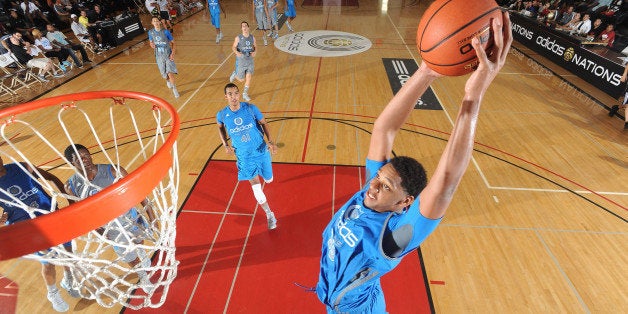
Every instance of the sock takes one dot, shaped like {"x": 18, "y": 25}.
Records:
{"x": 68, "y": 275}
{"x": 266, "y": 209}
{"x": 52, "y": 288}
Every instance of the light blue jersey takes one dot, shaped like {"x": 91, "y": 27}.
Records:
{"x": 353, "y": 258}
{"x": 214, "y": 6}
{"x": 214, "y": 12}
{"x": 242, "y": 128}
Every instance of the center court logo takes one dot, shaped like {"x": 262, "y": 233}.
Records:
{"x": 323, "y": 43}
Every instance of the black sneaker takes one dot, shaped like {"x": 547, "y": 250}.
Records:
{"x": 613, "y": 110}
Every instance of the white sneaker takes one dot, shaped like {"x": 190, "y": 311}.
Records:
{"x": 175, "y": 92}
{"x": 265, "y": 41}
{"x": 246, "y": 97}
{"x": 168, "y": 84}
{"x": 66, "y": 284}
{"x": 217, "y": 38}
{"x": 272, "y": 221}
{"x": 220, "y": 34}
{"x": 57, "y": 302}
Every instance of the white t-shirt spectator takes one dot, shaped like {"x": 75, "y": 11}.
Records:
{"x": 31, "y": 7}
{"x": 163, "y": 5}
{"x": 149, "y": 5}
{"x": 583, "y": 27}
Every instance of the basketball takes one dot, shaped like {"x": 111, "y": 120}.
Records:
{"x": 446, "y": 29}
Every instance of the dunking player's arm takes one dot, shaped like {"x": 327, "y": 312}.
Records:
{"x": 438, "y": 193}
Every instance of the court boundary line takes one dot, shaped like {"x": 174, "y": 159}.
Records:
{"x": 211, "y": 247}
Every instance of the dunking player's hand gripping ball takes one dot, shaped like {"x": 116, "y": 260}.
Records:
{"x": 445, "y": 32}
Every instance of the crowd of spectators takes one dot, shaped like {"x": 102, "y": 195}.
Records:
{"x": 34, "y": 31}
{"x": 602, "y": 22}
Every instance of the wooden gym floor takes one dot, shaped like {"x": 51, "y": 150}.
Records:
{"x": 538, "y": 222}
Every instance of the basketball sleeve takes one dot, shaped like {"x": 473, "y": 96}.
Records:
{"x": 219, "y": 118}
{"x": 168, "y": 35}
{"x": 372, "y": 166}
{"x": 256, "y": 112}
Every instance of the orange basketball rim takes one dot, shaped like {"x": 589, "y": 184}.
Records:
{"x": 79, "y": 218}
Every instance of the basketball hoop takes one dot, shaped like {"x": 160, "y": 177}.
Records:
{"x": 135, "y": 135}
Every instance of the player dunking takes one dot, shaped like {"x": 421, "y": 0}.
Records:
{"x": 397, "y": 209}
{"x": 239, "y": 121}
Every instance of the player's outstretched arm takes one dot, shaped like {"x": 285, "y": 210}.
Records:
{"x": 438, "y": 193}
{"x": 397, "y": 111}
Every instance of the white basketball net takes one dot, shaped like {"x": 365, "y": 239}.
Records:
{"x": 131, "y": 260}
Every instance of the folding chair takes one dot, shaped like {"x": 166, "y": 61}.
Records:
{"x": 16, "y": 83}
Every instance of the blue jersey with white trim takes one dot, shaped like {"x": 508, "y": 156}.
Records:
{"x": 27, "y": 191}
{"x": 353, "y": 258}
{"x": 242, "y": 128}
{"x": 214, "y": 6}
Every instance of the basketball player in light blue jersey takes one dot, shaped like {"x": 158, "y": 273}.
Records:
{"x": 244, "y": 47}
{"x": 215, "y": 7}
{"x": 90, "y": 179}
{"x": 17, "y": 190}
{"x": 290, "y": 12}
{"x": 397, "y": 208}
{"x": 245, "y": 125}
{"x": 260, "y": 11}
{"x": 272, "y": 15}
{"x": 162, "y": 41}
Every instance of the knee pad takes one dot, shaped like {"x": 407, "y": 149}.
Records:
{"x": 259, "y": 194}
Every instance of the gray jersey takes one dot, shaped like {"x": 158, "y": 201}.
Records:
{"x": 245, "y": 46}
{"x": 259, "y": 5}
{"x": 104, "y": 178}
{"x": 161, "y": 38}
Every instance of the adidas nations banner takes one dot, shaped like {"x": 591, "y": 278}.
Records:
{"x": 602, "y": 71}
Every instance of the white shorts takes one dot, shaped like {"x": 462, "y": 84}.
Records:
{"x": 40, "y": 63}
